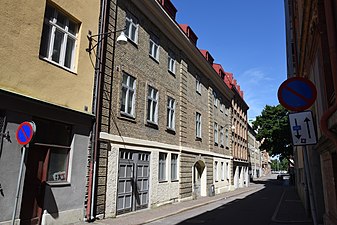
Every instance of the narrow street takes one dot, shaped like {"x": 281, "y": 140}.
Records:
{"x": 274, "y": 202}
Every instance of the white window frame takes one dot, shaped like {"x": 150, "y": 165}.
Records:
{"x": 162, "y": 170}
{"x": 130, "y": 91}
{"x": 152, "y": 105}
{"x": 198, "y": 85}
{"x": 171, "y": 62}
{"x": 216, "y": 138}
{"x": 221, "y": 136}
{"x": 215, "y": 99}
{"x": 216, "y": 178}
{"x": 174, "y": 167}
{"x": 226, "y": 137}
{"x": 198, "y": 124}
{"x": 49, "y": 44}
{"x": 171, "y": 107}
{"x": 222, "y": 171}
{"x": 131, "y": 24}
{"x": 154, "y": 47}
{"x": 227, "y": 171}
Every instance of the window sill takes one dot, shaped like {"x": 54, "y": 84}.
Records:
{"x": 174, "y": 181}
{"x": 163, "y": 181}
{"x": 171, "y": 131}
{"x": 222, "y": 146}
{"x": 152, "y": 125}
{"x": 135, "y": 44}
{"x": 127, "y": 117}
{"x": 58, "y": 184}
{"x": 198, "y": 139}
{"x": 154, "y": 59}
{"x": 57, "y": 65}
{"x": 172, "y": 73}
{"x": 216, "y": 144}
{"x": 199, "y": 93}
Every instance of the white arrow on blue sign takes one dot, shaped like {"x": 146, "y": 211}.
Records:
{"x": 302, "y": 128}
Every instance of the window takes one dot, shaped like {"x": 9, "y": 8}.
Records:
{"x": 58, "y": 40}
{"x": 58, "y": 164}
{"x": 171, "y": 62}
{"x": 221, "y": 136}
{"x": 154, "y": 47}
{"x": 215, "y": 133}
{"x": 216, "y": 171}
{"x": 152, "y": 105}
{"x": 222, "y": 171}
{"x": 128, "y": 95}
{"x": 54, "y": 139}
{"x": 215, "y": 100}
{"x": 227, "y": 171}
{"x": 198, "y": 85}
{"x": 171, "y": 105}
{"x": 226, "y": 138}
{"x": 174, "y": 166}
{"x": 131, "y": 24}
{"x": 162, "y": 166}
{"x": 198, "y": 125}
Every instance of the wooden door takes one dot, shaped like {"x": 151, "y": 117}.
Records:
{"x": 34, "y": 185}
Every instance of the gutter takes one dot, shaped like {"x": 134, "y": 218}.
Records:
{"x": 90, "y": 214}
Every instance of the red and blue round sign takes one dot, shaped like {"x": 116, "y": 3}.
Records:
{"x": 25, "y": 132}
{"x": 297, "y": 94}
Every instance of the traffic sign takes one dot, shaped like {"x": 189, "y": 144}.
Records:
{"x": 302, "y": 128}
{"x": 25, "y": 132}
{"x": 297, "y": 94}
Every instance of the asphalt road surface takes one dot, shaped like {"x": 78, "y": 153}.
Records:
{"x": 272, "y": 203}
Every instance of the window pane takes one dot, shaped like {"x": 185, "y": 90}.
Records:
{"x": 123, "y": 109}
{"x": 130, "y": 98}
{"x": 69, "y": 52}
{"x": 72, "y": 28}
{"x": 45, "y": 40}
{"x": 58, "y": 163}
{"x": 61, "y": 20}
{"x": 57, "y": 46}
{"x": 133, "y": 33}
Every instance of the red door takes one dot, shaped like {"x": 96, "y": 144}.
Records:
{"x": 34, "y": 185}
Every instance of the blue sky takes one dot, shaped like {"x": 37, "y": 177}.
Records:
{"x": 247, "y": 38}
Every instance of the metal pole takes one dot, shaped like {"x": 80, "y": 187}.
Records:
{"x": 19, "y": 184}
{"x": 308, "y": 176}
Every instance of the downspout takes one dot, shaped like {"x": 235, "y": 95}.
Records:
{"x": 96, "y": 110}
{"x": 324, "y": 123}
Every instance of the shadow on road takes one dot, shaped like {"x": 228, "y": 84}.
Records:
{"x": 275, "y": 204}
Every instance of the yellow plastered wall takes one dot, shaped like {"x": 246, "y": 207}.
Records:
{"x": 21, "y": 69}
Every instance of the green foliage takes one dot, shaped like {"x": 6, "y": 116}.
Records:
{"x": 277, "y": 165}
{"x": 273, "y": 131}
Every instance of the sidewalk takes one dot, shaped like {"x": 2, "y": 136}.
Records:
{"x": 289, "y": 210}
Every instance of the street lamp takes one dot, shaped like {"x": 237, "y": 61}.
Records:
{"x": 121, "y": 39}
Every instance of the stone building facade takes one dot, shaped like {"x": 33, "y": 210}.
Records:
{"x": 311, "y": 40}
{"x": 166, "y": 113}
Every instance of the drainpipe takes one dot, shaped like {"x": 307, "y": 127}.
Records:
{"x": 96, "y": 110}
{"x": 331, "y": 33}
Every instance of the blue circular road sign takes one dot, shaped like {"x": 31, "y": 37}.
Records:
{"x": 25, "y": 132}
{"x": 297, "y": 94}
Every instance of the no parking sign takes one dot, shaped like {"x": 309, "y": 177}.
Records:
{"x": 25, "y": 132}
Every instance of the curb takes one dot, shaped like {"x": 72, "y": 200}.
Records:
{"x": 254, "y": 189}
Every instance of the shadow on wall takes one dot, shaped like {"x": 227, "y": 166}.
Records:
{"x": 50, "y": 204}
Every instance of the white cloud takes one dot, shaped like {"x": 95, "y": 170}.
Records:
{"x": 259, "y": 88}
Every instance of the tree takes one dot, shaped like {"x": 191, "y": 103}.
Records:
{"x": 273, "y": 131}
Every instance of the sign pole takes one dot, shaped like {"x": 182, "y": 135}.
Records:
{"x": 19, "y": 183}
{"x": 308, "y": 178}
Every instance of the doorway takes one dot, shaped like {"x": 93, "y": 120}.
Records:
{"x": 34, "y": 186}
{"x": 199, "y": 179}
{"x": 133, "y": 181}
